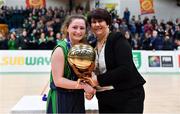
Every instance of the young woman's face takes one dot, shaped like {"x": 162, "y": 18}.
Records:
{"x": 76, "y": 30}
{"x": 99, "y": 27}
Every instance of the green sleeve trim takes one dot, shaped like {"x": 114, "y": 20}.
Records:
{"x": 67, "y": 70}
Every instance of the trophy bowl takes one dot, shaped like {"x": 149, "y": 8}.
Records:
{"x": 82, "y": 56}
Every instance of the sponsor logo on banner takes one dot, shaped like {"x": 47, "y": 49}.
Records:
{"x": 167, "y": 61}
{"x": 154, "y": 61}
{"x": 22, "y": 60}
{"x": 137, "y": 59}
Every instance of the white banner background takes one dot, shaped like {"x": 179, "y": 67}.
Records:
{"x": 19, "y": 61}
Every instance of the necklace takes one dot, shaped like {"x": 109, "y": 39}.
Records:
{"x": 99, "y": 49}
{"x": 100, "y": 46}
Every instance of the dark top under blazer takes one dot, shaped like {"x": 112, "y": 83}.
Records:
{"x": 121, "y": 70}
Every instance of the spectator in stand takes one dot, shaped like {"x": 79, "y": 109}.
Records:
{"x": 128, "y": 36}
{"x": 146, "y": 41}
{"x": 58, "y": 37}
{"x": 113, "y": 13}
{"x": 167, "y": 43}
{"x": 33, "y": 40}
{"x": 132, "y": 25}
{"x": 161, "y": 31}
{"x": 57, "y": 25}
{"x": 50, "y": 41}
{"x": 177, "y": 21}
{"x": 123, "y": 26}
{"x": 163, "y": 24}
{"x": 177, "y": 41}
{"x": 115, "y": 25}
{"x": 154, "y": 21}
{"x": 26, "y": 24}
{"x": 176, "y": 32}
{"x": 136, "y": 42}
{"x": 156, "y": 42}
{"x": 32, "y": 26}
{"x": 40, "y": 24}
{"x": 42, "y": 41}
{"x": 80, "y": 10}
{"x": 126, "y": 15}
{"x": 61, "y": 12}
{"x": 133, "y": 41}
{"x": 139, "y": 25}
{"x": 148, "y": 27}
{"x": 91, "y": 38}
{"x": 23, "y": 41}
{"x": 3, "y": 41}
{"x": 12, "y": 42}
{"x": 2, "y": 18}
{"x": 169, "y": 29}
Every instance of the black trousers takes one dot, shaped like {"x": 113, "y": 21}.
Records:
{"x": 66, "y": 102}
{"x": 121, "y": 101}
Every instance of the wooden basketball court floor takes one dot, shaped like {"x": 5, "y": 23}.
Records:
{"x": 162, "y": 90}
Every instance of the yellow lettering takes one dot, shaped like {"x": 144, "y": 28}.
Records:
{"x": 4, "y": 61}
{"x": 20, "y": 60}
{"x": 12, "y": 60}
{"x": 17, "y": 60}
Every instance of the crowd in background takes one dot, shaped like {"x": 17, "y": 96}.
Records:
{"x": 32, "y": 29}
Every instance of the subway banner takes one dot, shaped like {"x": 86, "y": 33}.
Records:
{"x": 25, "y": 61}
{"x": 146, "y": 6}
{"x": 35, "y": 3}
{"x": 39, "y": 61}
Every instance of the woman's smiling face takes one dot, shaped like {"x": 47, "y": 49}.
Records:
{"x": 76, "y": 30}
{"x": 99, "y": 27}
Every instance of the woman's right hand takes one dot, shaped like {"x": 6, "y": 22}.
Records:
{"x": 89, "y": 89}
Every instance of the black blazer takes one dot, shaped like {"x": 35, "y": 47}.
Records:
{"x": 121, "y": 70}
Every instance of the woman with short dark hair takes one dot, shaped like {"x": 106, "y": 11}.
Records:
{"x": 118, "y": 83}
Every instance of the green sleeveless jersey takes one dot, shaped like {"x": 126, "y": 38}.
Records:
{"x": 67, "y": 70}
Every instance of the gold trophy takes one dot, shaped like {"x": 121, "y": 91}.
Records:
{"x": 82, "y": 59}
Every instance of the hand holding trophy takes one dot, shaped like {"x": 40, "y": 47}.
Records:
{"x": 82, "y": 59}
